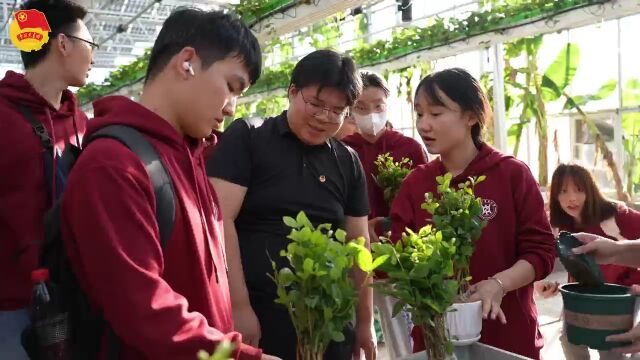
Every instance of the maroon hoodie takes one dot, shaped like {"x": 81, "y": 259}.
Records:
{"x": 393, "y": 142}
{"x": 517, "y": 229}
{"x": 163, "y": 304}
{"x": 24, "y": 197}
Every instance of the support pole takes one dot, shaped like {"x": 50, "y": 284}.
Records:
{"x": 499, "y": 112}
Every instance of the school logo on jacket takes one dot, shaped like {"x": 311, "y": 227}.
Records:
{"x": 489, "y": 209}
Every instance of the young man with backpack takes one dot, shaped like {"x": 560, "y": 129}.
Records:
{"x": 162, "y": 293}
{"x": 39, "y": 118}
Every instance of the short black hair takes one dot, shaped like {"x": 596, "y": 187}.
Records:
{"x": 371, "y": 79}
{"x": 213, "y": 34}
{"x": 328, "y": 69}
{"x": 61, "y": 15}
{"x": 463, "y": 89}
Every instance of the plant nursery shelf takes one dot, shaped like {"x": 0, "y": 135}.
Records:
{"x": 303, "y": 14}
{"x": 552, "y": 23}
{"x": 543, "y": 25}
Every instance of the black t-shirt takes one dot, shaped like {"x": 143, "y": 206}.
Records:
{"x": 284, "y": 176}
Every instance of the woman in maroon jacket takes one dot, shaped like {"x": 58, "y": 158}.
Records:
{"x": 517, "y": 246}
{"x": 578, "y": 206}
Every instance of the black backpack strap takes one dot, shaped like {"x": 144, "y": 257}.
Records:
{"x": 160, "y": 179}
{"x": 38, "y": 128}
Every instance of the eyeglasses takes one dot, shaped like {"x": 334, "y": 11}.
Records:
{"x": 93, "y": 45}
{"x": 314, "y": 109}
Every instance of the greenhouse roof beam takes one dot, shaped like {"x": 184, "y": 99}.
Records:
{"x": 300, "y": 16}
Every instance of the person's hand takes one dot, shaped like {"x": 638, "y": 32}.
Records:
{"x": 373, "y": 223}
{"x": 546, "y": 288}
{"x": 490, "y": 293}
{"x": 364, "y": 341}
{"x": 632, "y": 336}
{"x": 246, "y": 323}
{"x": 269, "y": 357}
{"x": 603, "y": 250}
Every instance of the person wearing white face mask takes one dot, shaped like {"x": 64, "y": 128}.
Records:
{"x": 373, "y": 139}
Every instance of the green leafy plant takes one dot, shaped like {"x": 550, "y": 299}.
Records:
{"x": 391, "y": 174}
{"x": 252, "y": 11}
{"x": 421, "y": 278}
{"x": 429, "y": 270}
{"x": 223, "y": 352}
{"x": 457, "y": 214}
{"x": 316, "y": 288}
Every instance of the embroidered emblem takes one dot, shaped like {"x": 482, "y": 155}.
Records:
{"x": 489, "y": 209}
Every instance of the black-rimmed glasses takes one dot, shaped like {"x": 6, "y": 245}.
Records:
{"x": 93, "y": 45}
{"x": 314, "y": 109}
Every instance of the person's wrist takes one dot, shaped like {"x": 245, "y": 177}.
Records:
{"x": 500, "y": 284}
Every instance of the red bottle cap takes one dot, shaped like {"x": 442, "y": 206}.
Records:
{"x": 39, "y": 275}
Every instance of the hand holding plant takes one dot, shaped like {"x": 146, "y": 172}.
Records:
{"x": 490, "y": 293}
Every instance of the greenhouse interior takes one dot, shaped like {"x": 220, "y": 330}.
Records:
{"x": 561, "y": 97}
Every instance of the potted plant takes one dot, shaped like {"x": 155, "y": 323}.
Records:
{"x": 429, "y": 270}
{"x": 420, "y": 271}
{"x": 456, "y": 213}
{"x": 391, "y": 173}
{"x": 316, "y": 289}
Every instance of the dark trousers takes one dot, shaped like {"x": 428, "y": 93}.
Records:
{"x": 279, "y": 336}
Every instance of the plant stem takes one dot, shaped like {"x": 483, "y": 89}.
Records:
{"x": 306, "y": 352}
{"x": 435, "y": 338}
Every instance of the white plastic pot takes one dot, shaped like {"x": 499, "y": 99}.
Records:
{"x": 464, "y": 323}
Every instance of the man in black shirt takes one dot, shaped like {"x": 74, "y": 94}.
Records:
{"x": 291, "y": 163}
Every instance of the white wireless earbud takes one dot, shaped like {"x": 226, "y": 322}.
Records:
{"x": 188, "y": 68}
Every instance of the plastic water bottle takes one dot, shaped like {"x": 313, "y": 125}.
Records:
{"x": 50, "y": 324}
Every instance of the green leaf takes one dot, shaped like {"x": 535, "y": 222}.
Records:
{"x": 420, "y": 270}
{"x": 327, "y": 314}
{"x": 286, "y": 277}
{"x": 312, "y": 302}
{"x": 290, "y": 222}
{"x": 341, "y": 235}
{"x": 379, "y": 261}
{"x": 364, "y": 260}
{"x": 604, "y": 92}
{"x": 337, "y": 336}
{"x": 308, "y": 266}
{"x": 560, "y": 73}
{"x": 302, "y": 220}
